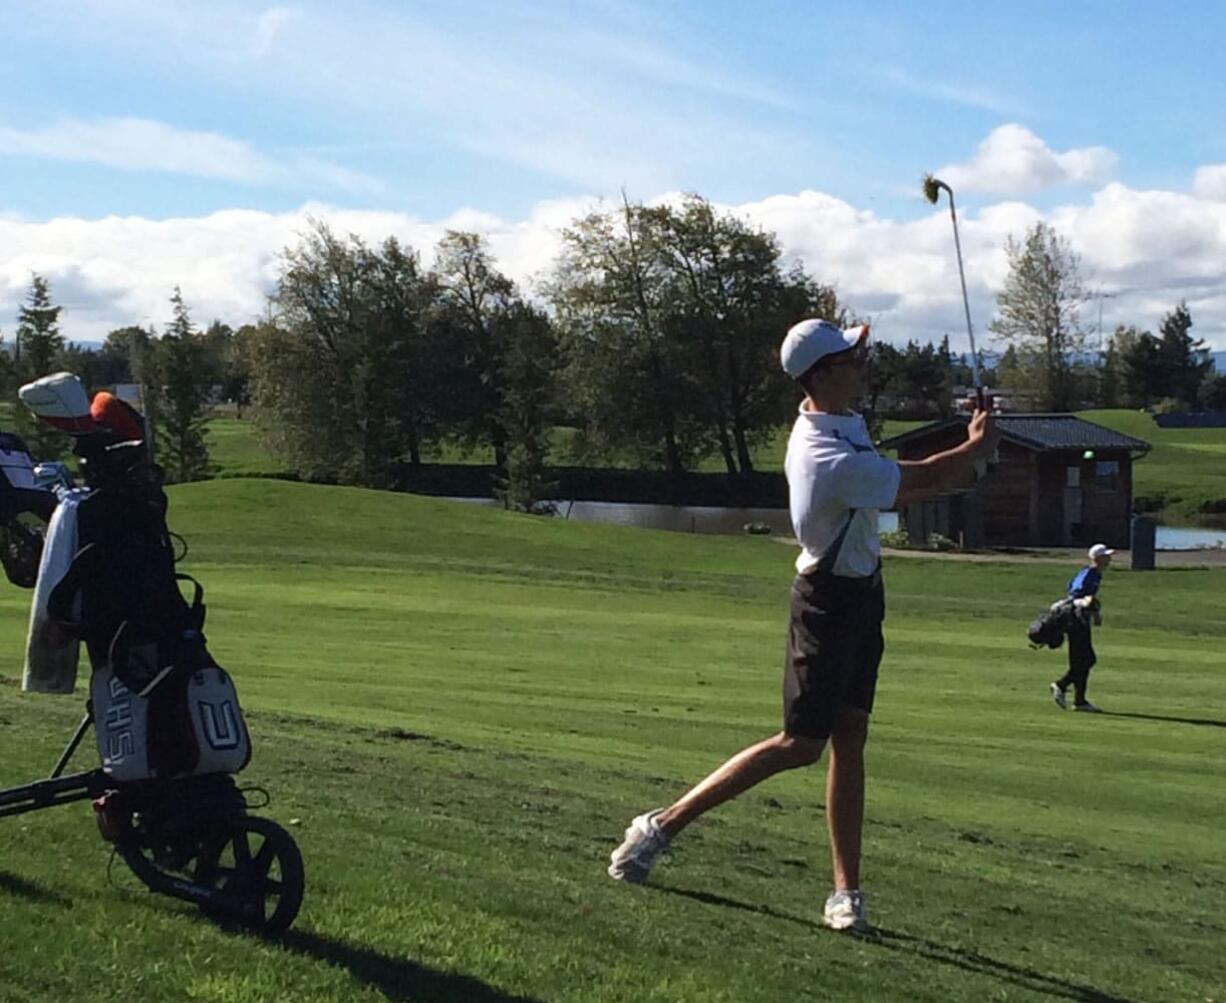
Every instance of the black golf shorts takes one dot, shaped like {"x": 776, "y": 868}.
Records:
{"x": 835, "y": 645}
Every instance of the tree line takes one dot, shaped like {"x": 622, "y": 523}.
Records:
{"x": 654, "y": 336}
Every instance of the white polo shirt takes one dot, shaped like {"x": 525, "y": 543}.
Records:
{"x": 832, "y": 468}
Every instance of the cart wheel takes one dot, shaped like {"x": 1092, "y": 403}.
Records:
{"x": 259, "y": 862}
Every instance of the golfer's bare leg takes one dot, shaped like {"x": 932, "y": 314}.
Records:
{"x": 845, "y": 795}
{"x": 748, "y": 767}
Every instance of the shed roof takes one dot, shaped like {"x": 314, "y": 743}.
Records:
{"x": 1040, "y": 432}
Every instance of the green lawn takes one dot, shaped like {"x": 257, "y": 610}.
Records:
{"x": 460, "y": 709}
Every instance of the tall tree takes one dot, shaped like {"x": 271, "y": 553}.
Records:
{"x": 405, "y": 298}
{"x": 38, "y": 340}
{"x": 1183, "y": 360}
{"x": 1037, "y": 312}
{"x": 732, "y": 300}
{"x": 38, "y": 344}
{"x": 475, "y": 299}
{"x": 313, "y": 358}
{"x": 1139, "y": 380}
{"x": 350, "y": 323}
{"x": 177, "y": 382}
{"x": 614, "y": 290}
{"x": 527, "y": 375}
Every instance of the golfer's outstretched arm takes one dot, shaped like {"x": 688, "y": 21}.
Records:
{"x": 950, "y": 469}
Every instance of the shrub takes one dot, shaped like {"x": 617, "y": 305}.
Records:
{"x": 942, "y": 543}
{"x": 896, "y": 540}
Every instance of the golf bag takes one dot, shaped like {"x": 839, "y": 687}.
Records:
{"x": 162, "y": 706}
{"x": 1049, "y": 629}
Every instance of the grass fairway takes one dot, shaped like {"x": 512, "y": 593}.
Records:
{"x": 462, "y": 708}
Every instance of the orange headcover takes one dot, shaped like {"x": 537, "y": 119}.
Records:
{"x": 117, "y": 415}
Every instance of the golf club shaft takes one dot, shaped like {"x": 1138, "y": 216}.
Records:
{"x": 966, "y": 303}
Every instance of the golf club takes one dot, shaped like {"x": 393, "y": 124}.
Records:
{"x": 932, "y": 192}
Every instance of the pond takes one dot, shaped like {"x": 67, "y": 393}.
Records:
{"x": 703, "y": 519}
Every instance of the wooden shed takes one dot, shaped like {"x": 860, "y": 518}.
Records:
{"x": 1060, "y": 481}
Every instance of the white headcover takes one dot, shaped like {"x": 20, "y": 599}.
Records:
{"x": 61, "y": 401}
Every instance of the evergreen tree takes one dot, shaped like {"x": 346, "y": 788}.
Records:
{"x": 38, "y": 339}
{"x": 37, "y": 346}
{"x": 1139, "y": 382}
{"x": 177, "y": 380}
{"x": 1183, "y": 360}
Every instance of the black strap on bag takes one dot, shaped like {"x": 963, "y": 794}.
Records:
{"x": 179, "y": 647}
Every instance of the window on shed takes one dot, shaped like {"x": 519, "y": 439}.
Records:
{"x": 1107, "y": 475}
{"x": 1072, "y": 477}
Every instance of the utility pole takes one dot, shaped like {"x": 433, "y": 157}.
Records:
{"x": 1101, "y": 296}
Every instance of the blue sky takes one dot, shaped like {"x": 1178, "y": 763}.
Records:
{"x": 1104, "y": 119}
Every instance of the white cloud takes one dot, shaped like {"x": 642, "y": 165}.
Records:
{"x": 1150, "y": 249}
{"x": 1014, "y": 161}
{"x": 1210, "y": 182}
{"x": 140, "y": 144}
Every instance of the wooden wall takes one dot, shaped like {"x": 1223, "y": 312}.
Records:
{"x": 1024, "y": 497}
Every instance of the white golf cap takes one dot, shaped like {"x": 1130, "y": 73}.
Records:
{"x": 810, "y": 341}
{"x": 1100, "y": 550}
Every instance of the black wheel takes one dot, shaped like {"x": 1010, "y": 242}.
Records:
{"x": 258, "y": 863}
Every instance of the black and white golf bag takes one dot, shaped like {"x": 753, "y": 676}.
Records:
{"x": 163, "y": 708}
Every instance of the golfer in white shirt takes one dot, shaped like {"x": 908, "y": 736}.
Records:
{"x": 836, "y": 482}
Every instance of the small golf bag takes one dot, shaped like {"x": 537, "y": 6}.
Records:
{"x": 1048, "y": 630}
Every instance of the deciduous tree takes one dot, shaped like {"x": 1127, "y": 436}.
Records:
{"x": 1037, "y": 314}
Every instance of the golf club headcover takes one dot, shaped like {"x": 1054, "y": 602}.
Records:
{"x": 61, "y": 401}
{"x": 117, "y": 415}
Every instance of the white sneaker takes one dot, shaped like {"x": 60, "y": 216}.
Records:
{"x": 846, "y": 910}
{"x": 1088, "y": 707}
{"x": 1057, "y": 694}
{"x": 644, "y": 842}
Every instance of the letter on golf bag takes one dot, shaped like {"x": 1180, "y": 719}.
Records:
{"x": 188, "y": 723}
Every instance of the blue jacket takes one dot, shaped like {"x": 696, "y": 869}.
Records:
{"x": 1085, "y": 582}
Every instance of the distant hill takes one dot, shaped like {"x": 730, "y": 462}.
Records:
{"x": 1219, "y": 361}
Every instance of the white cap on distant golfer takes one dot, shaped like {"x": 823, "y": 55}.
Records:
{"x": 810, "y": 341}
{"x": 1100, "y": 550}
